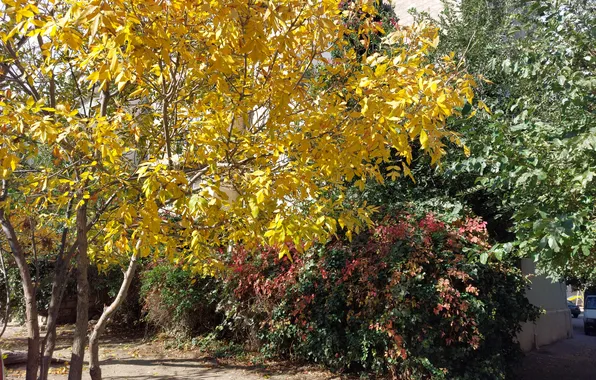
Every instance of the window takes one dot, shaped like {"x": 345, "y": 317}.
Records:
{"x": 591, "y": 302}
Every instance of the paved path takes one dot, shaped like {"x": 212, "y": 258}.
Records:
{"x": 573, "y": 359}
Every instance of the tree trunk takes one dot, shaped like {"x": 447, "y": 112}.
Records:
{"x": 80, "y": 335}
{"x": 49, "y": 342}
{"x": 30, "y": 299}
{"x": 58, "y": 286}
{"x": 94, "y": 368}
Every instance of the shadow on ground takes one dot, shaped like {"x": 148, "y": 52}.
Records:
{"x": 573, "y": 359}
{"x": 125, "y": 355}
{"x": 204, "y": 368}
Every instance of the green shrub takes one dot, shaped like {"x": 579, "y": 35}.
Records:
{"x": 11, "y": 284}
{"x": 178, "y": 302}
{"x": 42, "y": 272}
{"x": 103, "y": 287}
{"x": 408, "y": 297}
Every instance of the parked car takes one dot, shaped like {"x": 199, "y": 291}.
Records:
{"x": 574, "y": 309}
{"x": 589, "y": 314}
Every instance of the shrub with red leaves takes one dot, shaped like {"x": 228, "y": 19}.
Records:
{"x": 407, "y": 297}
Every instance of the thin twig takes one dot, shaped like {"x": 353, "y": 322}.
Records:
{"x": 34, "y": 248}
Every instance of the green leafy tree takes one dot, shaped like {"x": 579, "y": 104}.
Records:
{"x": 534, "y": 157}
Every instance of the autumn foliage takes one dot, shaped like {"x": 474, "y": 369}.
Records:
{"x": 238, "y": 124}
{"x": 407, "y": 297}
{"x": 173, "y": 128}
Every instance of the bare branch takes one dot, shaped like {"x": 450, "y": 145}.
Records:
{"x": 3, "y": 190}
{"x": 75, "y": 79}
{"x": 18, "y": 64}
{"x": 34, "y": 249}
{"x": 100, "y": 211}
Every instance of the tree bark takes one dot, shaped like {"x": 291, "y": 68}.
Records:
{"x": 80, "y": 335}
{"x": 94, "y": 368}
{"x": 58, "y": 286}
{"x": 48, "y": 344}
{"x": 30, "y": 298}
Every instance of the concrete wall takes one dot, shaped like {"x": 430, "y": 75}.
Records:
{"x": 555, "y": 323}
{"x": 433, "y": 7}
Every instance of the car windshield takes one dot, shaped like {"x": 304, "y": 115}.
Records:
{"x": 590, "y": 303}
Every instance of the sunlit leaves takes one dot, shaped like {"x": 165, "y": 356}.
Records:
{"x": 535, "y": 154}
{"x": 221, "y": 122}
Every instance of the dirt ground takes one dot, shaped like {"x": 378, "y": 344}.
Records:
{"x": 125, "y": 355}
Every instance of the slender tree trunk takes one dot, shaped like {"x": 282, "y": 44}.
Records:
{"x": 80, "y": 335}
{"x": 94, "y": 368}
{"x": 30, "y": 299}
{"x": 58, "y": 286}
{"x": 78, "y": 344}
{"x": 48, "y": 344}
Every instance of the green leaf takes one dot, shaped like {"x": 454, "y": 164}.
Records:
{"x": 552, "y": 243}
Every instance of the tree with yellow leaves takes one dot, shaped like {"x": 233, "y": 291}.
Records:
{"x": 136, "y": 128}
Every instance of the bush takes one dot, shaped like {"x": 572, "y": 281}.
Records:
{"x": 408, "y": 297}
{"x": 42, "y": 275}
{"x": 11, "y": 284}
{"x": 178, "y": 302}
{"x": 103, "y": 289}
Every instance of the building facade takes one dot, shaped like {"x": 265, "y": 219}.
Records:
{"x": 555, "y": 322}
{"x": 432, "y": 7}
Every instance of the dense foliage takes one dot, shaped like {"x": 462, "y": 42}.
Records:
{"x": 239, "y": 135}
{"x": 530, "y": 172}
{"x": 178, "y": 302}
{"x": 535, "y": 155}
{"x": 237, "y": 142}
{"x": 408, "y": 296}
{"x": 105, "y": 286}
{"x": 135, "y": 129}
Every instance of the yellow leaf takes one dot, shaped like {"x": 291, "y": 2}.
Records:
{"x": 423, "y": 139}
{"x": 260, "y": 196}
{"x": 94, "y": 27}
{"x": 93, "y": 77}
{"x": 114, "y": 63}
{"x": 213, "y": 103}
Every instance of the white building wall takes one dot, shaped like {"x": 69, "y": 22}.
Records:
{"x": 433, "y": 7}
{"x": 555, "y": 322}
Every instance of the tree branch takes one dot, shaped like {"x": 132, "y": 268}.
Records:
{"x": 34, "y": 249}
